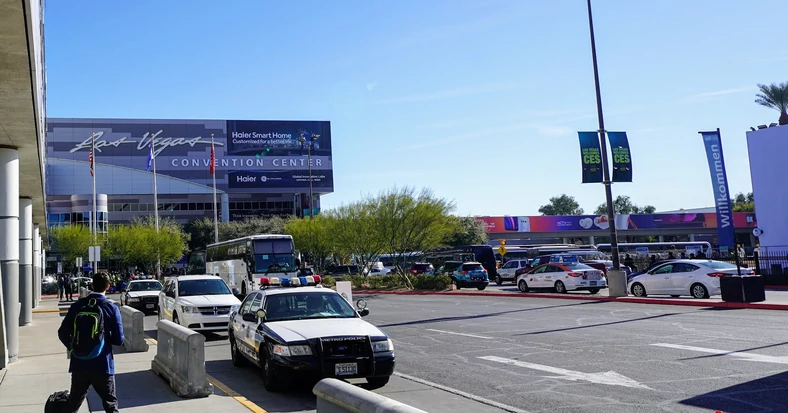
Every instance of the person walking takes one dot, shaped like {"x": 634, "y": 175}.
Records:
{"x": 61, "y": 285}
{"x": 69, "y": 287}
{"x": 89, "y": 330}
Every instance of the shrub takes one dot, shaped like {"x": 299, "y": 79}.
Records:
{"x": 328, "y": 281}
{"x": 431, "y": 282}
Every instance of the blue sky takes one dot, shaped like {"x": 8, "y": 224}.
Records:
{"x": 479, "y": 100}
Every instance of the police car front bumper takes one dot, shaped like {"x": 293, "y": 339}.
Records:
{"x": 382, "y": 365}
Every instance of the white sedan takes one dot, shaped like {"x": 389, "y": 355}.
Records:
{"x": 562, "y": 277}
{"x": 696, "y": 278}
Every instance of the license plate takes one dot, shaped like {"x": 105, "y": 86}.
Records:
{"x": 149, "y": 305}
{"x": 346, "y": 369}
{"x": 593, "y": 282}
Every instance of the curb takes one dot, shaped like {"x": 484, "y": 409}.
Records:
{"x": 631, "y": 300}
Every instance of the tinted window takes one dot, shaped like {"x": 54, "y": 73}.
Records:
{"x": 684, "y": 267}
{"x": 422, "y": 267}
{"x": 247, "y": 303}
{"x": 472, "y": 267}
{"x": 276, "y": 246}
{"x": 213, "y": 286}
{"x": 664, "y": 270}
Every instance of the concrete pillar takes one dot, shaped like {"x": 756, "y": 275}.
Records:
{"x": 37, "y": 272}
{"x": 9, "y": 247}
{"x": 25, "y": 261}
{"x": 225, "y": 207}
{"x": 565, "y": 240}
{"x": 591, "y": 240}
{"x": 661, "y": 238}
{"x": 692, "y": 237}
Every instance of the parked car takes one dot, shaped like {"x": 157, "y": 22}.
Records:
{"x": 340, "y": 271}
{"x": 508, "y": 270}
{"x": 422, "y": 268}
{"x": 198, "y": 302}
{"x": 562, "y": 277}
{"x": 448, "y": 267}
{"x": 696, "y": 278}
{"x": 470, "y": 274}
{"x": 142, "y": 295}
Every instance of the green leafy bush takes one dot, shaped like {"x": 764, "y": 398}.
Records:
{"x": 430, "y": 282}
{"x": 328, "y": 281}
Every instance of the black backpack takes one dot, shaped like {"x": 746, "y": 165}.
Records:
{"x": 87, "y": 339}
{"x": 56, "y": 403}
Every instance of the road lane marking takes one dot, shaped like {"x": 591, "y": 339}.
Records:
{"x": 460, "y": 334}
{"x": 235, "y": 395}
{"x": 460, "y": 393}
{"x": 610, "y": 378}
{"x": 223, "y": 387}
{"x": 744, "y": 356}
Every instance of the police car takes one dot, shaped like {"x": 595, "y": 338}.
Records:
{"x": 563, "y": 273}
{"x": 295, "y": 328}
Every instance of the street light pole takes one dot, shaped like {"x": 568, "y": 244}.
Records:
{"x": 611, "y": 217}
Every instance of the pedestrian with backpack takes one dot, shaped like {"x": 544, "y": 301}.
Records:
{"x": 89, "y": 330}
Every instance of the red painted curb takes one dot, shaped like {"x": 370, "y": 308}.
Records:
{"x": 632, "y": 300}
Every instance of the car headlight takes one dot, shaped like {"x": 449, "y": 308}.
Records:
{"x": 288, "y": 351}
{"x": 382, "y": 346}
{"x": 190, "y": 309}
{"x": 235, "y": 307}
{"x": 133, "y": 300}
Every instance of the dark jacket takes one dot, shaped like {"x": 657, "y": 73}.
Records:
{"x": 113, "y": 335}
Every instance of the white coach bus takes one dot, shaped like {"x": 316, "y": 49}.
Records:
{"x": 242, "y": 262}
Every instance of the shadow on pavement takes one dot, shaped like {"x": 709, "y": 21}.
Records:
{"x": 247, "y": 382}
{"x": 762, "y": 395}
{"x": 136, "y": 389}
{"x": 556, "y": 330}
{"x": 471, "y": 317}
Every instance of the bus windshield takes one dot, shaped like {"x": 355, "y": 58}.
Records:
{"x": 274, "y": 255}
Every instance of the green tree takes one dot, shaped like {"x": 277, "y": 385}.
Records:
{"x": 410, "y": 222}
{"x": 465, "y": 231}
{"x": 744, "y": 203}
{"x": 313, "y": 237}
{"x": 775, "y": 96}
{"x": 352, "y": 228}
{"x": 561, "y": 205}
{"x": 71, "y": 241}
{"x": 201, "y": 231}
{"x": 624, "y": 205}
{"x": 139, "y": 244}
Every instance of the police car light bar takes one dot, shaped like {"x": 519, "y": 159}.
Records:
{"x": 266, "y": 282}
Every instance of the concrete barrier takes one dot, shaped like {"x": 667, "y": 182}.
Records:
{"x": 336, "y": 396}
{"x": 180, "y": 359}
{"x": 133, "y": 330}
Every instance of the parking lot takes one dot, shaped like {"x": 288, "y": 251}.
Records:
{"x": 545, "y": 355}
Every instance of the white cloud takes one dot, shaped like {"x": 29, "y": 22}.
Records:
{"x": 707, "y": 96}
{"x": 450, "y": 93}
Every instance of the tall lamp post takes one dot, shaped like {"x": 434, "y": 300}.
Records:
{"x": 611, "y": 217}
{"x": 312, "y": 139}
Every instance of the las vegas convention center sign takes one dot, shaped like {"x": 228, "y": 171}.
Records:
{"x": 250, "y": 155}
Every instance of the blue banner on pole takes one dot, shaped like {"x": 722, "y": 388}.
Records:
{"x": 622, "y": 159}
{"x": 591, "y": 157}
{"x": 719, "y": 183}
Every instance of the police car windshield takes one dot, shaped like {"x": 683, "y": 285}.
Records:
{"x": 214, "y": 286}
{"x": 145, "y": 286}
{"x": 268, "y": 263}
{"x": 303, "y": 306}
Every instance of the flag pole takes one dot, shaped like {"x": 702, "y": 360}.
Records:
{"x": 155, "y": 203}
{"x": 215, "y": 208}
{"x": 95, "y": 207}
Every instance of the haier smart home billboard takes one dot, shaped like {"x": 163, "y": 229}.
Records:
{"x": 251, "y": 155}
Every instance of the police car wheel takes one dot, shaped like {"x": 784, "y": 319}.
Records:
{"x": 271, "y": 381}
{"x": 238, "y": 359}
{"x": 378, "y": 382}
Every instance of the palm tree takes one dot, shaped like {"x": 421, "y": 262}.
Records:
{"x": 775, "y": 96}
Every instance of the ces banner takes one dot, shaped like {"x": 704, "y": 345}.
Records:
{"x": 622, "y": 159}
{"x": 591, "y": 157}
{"x": 719, "y": 183}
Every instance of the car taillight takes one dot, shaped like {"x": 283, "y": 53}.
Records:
{"x": 414, "y": 271}
{"x": 463, "y": 272}
{"x": 485, "y": 271}
{"x": 716, "y": 274}
{"x": 574, "y": 274}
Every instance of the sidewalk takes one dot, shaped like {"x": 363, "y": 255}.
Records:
{"x": 43, "y": 369}
{"x": 775, "y": 299}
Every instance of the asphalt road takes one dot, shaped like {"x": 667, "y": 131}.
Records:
{"x": 551, "y": 355}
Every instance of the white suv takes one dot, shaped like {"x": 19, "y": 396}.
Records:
{"x": 197, "y": 302}
{"x": 507, "y": 271}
